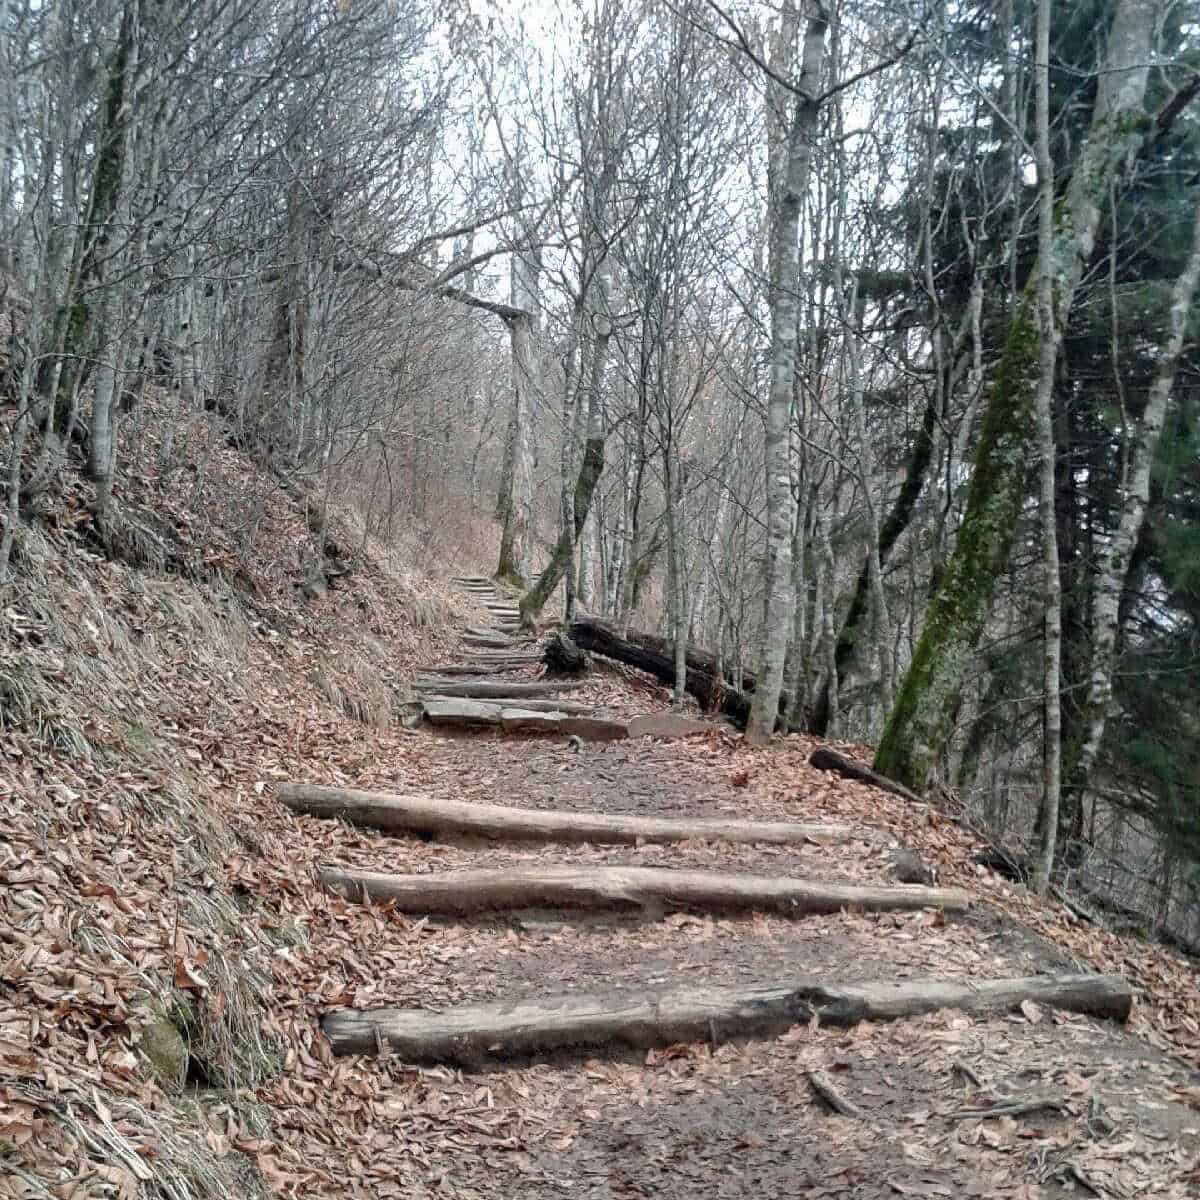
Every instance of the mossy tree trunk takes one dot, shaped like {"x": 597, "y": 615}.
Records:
{"x": 894, "y": 524}
{"x": 921, "y": 719}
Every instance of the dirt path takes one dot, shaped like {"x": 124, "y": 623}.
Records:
{"x": 735, "y": 1120}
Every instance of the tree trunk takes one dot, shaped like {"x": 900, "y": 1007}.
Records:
{"x": 786, "y": 197}
{"x": 1049, "y": 335}
{"x": 1114, "y": 566}
{"x": 475, "y": 1033}
{"x": 515, "y": 507}
{"x": 922, "y": 716}
{"x": 422, "y": 814}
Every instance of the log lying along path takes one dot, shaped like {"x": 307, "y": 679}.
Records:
{"x": 825, "y": 758}
{"x": 649, "y": 654}
{"x": 461, "y": 893}
{"x": 471, "y": 1034}
{"x": 424, "y": 814}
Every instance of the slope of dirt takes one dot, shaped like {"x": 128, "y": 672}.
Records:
{"x": 154, "y": 885}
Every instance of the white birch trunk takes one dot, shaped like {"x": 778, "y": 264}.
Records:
{"x": 786, "y": 199}
{"x": 1115, "y": 564}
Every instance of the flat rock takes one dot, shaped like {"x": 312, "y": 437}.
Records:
{"x": 668, "y": 725}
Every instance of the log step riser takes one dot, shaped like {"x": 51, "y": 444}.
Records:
{"x": 480, "y": 1034}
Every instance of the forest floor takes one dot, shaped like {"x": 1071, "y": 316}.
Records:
{"x": 149, "y": 869}
{"x": 740, "y": 1119}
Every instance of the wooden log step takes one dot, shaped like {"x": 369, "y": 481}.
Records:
{"x": 572, "y": 707}
{"x": 655, "y": 889}
{"x": 468, "y": 714}
{"x": 482, "y": 658}
{"x": 471, "y": 579}
{"x": 469, "y": 668}
{"x": 482, "y": 631}
{"x": 424, "y": 814}
{"x": 474, "y": 1034}
{"x": 493, "y": 689}
{"x": 490, "y": 641}
{"x": 589, "y": 729}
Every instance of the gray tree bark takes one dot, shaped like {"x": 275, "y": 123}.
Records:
{"x": 791, "y": 156}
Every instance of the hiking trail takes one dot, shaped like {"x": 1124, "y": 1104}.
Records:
{"x": 660, "y": 981}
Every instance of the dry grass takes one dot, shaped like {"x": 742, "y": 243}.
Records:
{"x": 127, "y": 698}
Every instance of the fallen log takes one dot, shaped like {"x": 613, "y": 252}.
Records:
{"x": 825, "y": 758}
{"x": 590, "y": 634}
{"x": 424, "y": 814}
{"x": 697, "y": 658}
{"x": 473, "y": 1034}
{"x": 461, "y": 893}
{"x": 491, "y": 689}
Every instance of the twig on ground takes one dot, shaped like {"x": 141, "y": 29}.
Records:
{"x": 966, "y": 1071}
{"x": 1010, "y": 1108}
{"x": 828, "y": 1091}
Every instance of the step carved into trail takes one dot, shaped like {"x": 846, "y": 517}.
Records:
{"x": 655, "y": 889}
{"x": 472, "y": 1034}
{"x": 425, "y": 814}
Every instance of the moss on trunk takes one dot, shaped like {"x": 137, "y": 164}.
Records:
{"x": 590, "y": 470}
{"x": 919, "y": 723}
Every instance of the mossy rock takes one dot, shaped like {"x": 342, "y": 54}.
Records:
{"x": 166, "y": 1050}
